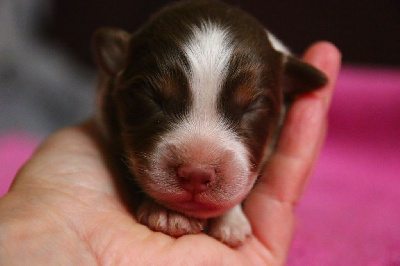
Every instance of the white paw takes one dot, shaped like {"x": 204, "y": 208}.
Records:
{"x": 159, "y": 218}
{"x": 232, "y": 228}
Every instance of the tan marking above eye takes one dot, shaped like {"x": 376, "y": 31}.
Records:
{"x": 246, "y": 94}
{"x": 243, "y": 82}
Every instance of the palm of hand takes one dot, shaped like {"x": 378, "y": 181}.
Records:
{"x": 80, "y": 215}
{"x": 64, "y": 206}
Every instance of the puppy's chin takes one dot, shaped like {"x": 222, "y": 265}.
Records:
{"x": 208, "y": 204}
{"x": 202, "y": 210}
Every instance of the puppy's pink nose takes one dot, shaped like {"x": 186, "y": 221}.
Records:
{"x": 195, "y": 178}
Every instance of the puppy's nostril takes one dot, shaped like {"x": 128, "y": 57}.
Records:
{"x": 195, "y": 178}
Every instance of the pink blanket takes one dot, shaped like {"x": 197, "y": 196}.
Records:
{"x": 350, "y": 214}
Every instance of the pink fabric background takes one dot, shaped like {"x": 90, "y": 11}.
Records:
{"x": 350, "y": 214}
{"x": 15, "y": 149}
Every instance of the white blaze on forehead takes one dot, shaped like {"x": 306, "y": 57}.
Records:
{"x": 203, "y": 136}
{"x": 208, "y": 51}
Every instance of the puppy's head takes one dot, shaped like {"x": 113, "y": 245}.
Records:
{"x": 195, "y": 97}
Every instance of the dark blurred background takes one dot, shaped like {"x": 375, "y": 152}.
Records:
{"x": 367, "y": 31}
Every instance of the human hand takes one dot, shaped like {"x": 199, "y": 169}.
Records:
{"x": 65, "y": 209}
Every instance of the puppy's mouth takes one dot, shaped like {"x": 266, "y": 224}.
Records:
{"x": 203, "y": 205}
{"x": 196, "y": 190}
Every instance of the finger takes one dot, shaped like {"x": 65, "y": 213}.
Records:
{"x": 270, "y": 205}
{"x": 326, "y": 57}
{"x": 303, "y": 132}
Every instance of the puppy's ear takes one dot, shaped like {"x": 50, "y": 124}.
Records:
{"x": 110, "y": 47}
{"x": 300, "y": 77}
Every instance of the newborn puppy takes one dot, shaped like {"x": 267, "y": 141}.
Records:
{"x": 194, "y": 100}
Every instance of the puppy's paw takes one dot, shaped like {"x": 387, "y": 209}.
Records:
{"x": 232, "y": 228}
{"x": 159, "y": 218}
